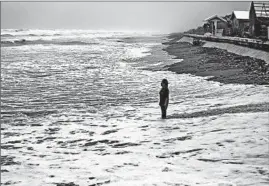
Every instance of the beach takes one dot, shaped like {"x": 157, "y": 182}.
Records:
{"x": 218, "y": 64}
{"x": 80, "y": 108}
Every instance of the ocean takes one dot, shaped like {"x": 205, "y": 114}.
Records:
{"x": 82, "y": 106}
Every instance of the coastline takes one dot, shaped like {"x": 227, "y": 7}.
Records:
{"x": 220, "y": 65}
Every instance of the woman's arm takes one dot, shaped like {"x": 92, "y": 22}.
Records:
{"x": 166, "y": 103}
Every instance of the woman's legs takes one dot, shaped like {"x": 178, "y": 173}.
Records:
{"x": 163, "y": 112}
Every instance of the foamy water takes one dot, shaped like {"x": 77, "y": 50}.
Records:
{"x": 82, "y": 107}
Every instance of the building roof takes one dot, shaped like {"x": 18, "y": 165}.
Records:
{"x": 241, "y": 15}
{"x": 227, "y": 17}
{"x": 261, "y": 9}
{"x": 215, "y": 17}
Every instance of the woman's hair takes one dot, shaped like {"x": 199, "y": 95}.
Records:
{"x": 164, "y": 81}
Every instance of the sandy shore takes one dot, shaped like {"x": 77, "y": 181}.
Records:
{"x": 224, "y": 66}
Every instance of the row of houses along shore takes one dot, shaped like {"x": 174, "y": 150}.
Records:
{"x": 252, "y": 24}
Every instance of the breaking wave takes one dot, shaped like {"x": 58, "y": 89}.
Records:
{"x": 31, "y": 35}
{"x": 7, "y": 35}
{"x": 43, "y": 42}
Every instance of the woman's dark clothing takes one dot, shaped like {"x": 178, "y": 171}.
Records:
{"x": 164, "y": 94}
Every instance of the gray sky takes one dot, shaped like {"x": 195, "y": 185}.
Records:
{"x": 146, "y": 16}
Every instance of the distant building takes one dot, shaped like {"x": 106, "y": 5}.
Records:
{"x": 218, "y": 25}
{"x": 228, "y": 30}
{"x": 240, "y": 22}
{"x": 259, "y": 19}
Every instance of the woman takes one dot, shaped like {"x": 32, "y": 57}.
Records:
{"x": 164, "y": 97}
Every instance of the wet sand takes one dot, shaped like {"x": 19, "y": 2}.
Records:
{"x": 220, "y": 65}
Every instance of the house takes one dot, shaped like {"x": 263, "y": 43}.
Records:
{"x": 240, "y": 22}
{"x": 259, "y": 20}
{"x": 228, "y": 30}
{"x": 217, "y": 25}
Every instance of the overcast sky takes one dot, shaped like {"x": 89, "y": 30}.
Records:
{"x": 147, "y": 16}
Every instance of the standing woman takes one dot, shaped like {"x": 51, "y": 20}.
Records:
{"x": 164, "y": 97}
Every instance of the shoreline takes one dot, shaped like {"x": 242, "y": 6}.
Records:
{"x": 220, "y": 65}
